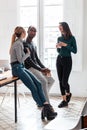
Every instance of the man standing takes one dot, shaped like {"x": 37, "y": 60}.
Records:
{"x": 34, "y": 64}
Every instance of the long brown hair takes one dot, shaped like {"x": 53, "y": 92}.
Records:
{"x": 66, "y": 29}
{"x": 17, "y": 34}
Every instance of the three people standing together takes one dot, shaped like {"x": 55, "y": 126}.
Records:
{"x": 28, "y": 67}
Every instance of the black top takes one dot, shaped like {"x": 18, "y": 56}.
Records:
{"x": 32, "y": 60}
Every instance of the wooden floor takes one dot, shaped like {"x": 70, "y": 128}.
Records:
{"x": 29, "y": 116}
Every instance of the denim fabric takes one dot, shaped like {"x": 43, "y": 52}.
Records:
{"x": 30, "y": 81}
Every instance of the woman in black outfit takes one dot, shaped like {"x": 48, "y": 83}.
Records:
{"x": 66, "y": 44}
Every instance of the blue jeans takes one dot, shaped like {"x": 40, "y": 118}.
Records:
{"x": 30, "y": 81}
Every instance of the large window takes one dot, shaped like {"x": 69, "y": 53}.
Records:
{"x": 53, "y": 14}
{"x": 45, "y": 15}
{"x": 28, "y": 14}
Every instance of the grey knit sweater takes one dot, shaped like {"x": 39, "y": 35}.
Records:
{"x": 17, "y": 52}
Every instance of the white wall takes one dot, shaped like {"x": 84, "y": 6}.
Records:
{"x": 75, "y": 15}
{"x": 8, "y": 20}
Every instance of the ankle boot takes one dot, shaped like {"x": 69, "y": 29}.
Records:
{"x": 48, "y": 112}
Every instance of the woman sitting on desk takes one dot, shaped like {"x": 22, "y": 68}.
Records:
{"x": 17, "y": 57}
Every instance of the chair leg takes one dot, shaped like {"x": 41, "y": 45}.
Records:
{"x": 11, "y": 95}
{"x": 18, "y": 99}
{"x": 23, "y": 94}
{"x": 4, "y": 95}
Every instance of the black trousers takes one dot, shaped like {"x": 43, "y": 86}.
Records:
{"x": 64, "y": 66}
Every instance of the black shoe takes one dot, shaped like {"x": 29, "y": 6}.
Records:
{"x": 48, "y": 112}
{"x": 68, "y": 97}
{"x": 63, "y": 104}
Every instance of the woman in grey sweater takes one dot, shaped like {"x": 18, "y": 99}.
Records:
{"x": 17, "y": 57}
